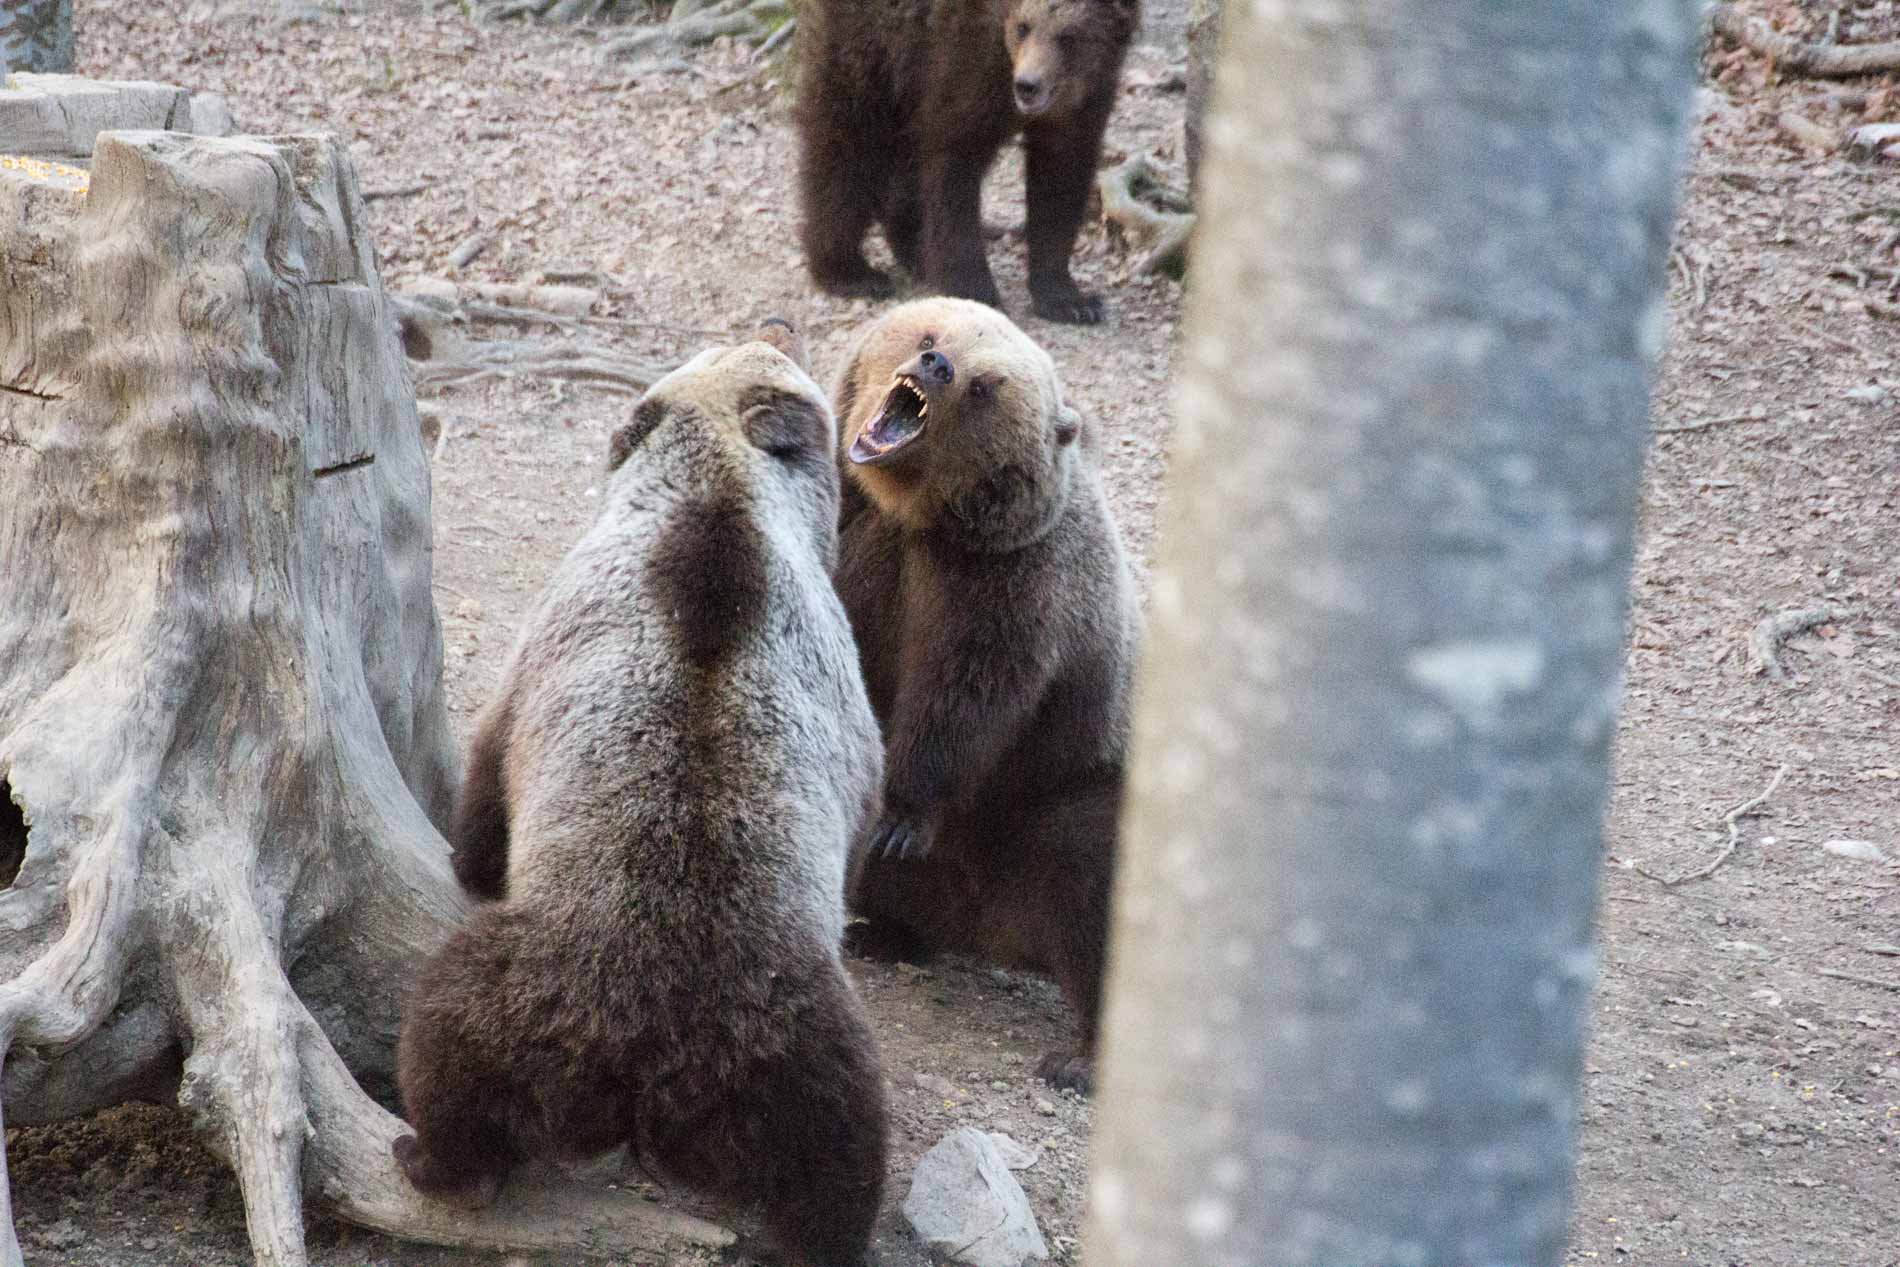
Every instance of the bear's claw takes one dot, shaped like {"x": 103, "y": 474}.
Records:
{"x": 1075, "y": 308}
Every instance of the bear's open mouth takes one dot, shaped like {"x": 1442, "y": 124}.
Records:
{"x": 900, "y": 421}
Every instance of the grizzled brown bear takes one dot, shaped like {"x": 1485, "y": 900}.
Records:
{"x": 663, "y": 797}
{"x": 902, "y": 107}
{"x": 997, "y": 625}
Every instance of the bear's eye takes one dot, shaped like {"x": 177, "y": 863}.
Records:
{"x": 1067, "y": 41}
{"x": 1022, "y": 30}
{"x": 926, "y": 343}
{"x": 981, "y": 388}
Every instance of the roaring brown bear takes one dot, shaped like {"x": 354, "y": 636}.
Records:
{"x": 662, "y": 797}
{"x": 902, "y": 107}
{"x": 996, "y": 624}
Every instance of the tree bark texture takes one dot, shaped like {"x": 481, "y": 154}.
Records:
{"x": 36, "y": 35}
{"x": 1203, "y": 54}
{"x": 223, "y": 746}
{"x": 1352, "y": 953}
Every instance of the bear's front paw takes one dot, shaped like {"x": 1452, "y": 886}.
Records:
{"x": 903, "y": 836}
{"x": 1070, "y": 305}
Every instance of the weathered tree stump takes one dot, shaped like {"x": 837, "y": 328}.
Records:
{"x": 223, "y": 745}
{"x": 59, "y": 116}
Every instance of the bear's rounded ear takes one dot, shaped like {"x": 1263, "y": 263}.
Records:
{"x": 1068, "y": 425}
{"x": 627, "y": 438}
{"x": 784, "y": 336}
{"x": 787, "y": 425}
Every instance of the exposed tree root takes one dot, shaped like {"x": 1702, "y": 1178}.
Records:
{"x": 1765, "y": 639}
{"x": 1733, "y": 819}
{"x": 1151, "y": 217}
{"x": 570, "y": 362}
{"x": 432, "y": 330}
{"x": 1797, "y": 57}
{"x": 565, "y": 10}
{"x": 757, "y": 22}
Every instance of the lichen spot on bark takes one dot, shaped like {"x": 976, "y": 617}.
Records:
{"x": 1474, "y": 677}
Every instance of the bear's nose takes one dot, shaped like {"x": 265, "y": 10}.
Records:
{"x": 1028, "y": 88}
{"x": 937, "y": 368}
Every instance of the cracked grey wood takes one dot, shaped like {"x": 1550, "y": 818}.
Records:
{"x": 221, "y": 712}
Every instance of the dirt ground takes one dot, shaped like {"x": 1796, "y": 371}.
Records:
{"x": 1741, "y": 1104}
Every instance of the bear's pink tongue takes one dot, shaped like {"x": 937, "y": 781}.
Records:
{"x": 900, "y": 421}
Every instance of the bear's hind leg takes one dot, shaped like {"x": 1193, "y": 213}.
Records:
{"x": 458, "y": 1101}
{"x": 461, "y": 1151}
{"x": 826, "y": 1134}
{"x": 804, "y": 1137}
{"x": 1049, "y": 912}
{"x": 433, "y": 1171}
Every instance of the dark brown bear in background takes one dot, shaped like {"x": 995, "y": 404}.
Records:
{"x": 996, "y": 624}
{"x": 902, "y": 107}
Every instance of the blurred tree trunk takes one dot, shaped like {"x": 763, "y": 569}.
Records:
{"x": 36, "y": 35}
{"x": 1203, "y": 48}
{"x": 1352, "y": 954}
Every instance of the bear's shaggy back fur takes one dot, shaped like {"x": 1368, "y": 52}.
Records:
{"x": 663, "y": 795}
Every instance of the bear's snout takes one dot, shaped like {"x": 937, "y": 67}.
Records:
{"x": 936, "y": 369}
{"x": 1031, "y": 95}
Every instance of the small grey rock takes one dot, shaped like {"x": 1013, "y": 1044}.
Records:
{"x": 1016, "y": 1156}
{"x": 1045, "y": 1107}
{"x": 65, "y": 1234}
{"x": 1751, "y": 1131}
{"x": 966, "y": 1205}
{"x": 937, "y": 1085}
{"x": 1855, "y": 850}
